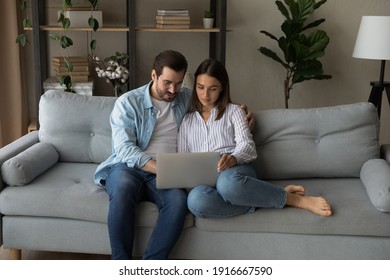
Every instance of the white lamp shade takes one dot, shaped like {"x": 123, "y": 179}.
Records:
{"x": 373, "y": 39}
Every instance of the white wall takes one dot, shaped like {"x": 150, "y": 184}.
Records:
{"x": 255, "y": 79}
{"x": 258, "y": 80}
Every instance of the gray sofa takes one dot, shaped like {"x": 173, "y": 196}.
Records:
{"x": 48, "y": 200}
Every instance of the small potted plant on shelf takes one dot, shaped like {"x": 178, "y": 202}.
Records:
{"x": 208, "y": 19}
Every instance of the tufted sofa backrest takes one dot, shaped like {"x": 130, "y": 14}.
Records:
{"x": 76, "y": 125}
{"x": 291, "y": 143}
{"x": 320, "y": 142}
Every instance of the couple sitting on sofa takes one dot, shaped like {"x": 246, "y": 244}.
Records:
{"x": 146, "y": 120}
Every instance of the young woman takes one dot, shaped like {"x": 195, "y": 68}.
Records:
{"x": 214, "y": 123}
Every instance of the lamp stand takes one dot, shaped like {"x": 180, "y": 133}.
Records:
{"x": 378, "y": 88}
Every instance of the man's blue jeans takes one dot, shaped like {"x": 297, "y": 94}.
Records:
{"x": 238, "y": 191}
{"x": 126, "y": 187}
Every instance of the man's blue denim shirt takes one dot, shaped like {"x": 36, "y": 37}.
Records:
{"x": 132, "y": 122}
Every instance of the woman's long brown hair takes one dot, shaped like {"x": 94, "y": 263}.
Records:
{"x": 217, "y": 70}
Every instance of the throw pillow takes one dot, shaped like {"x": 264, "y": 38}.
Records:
{"x": 29, "y": 164}
{"x": 375, "y": 175}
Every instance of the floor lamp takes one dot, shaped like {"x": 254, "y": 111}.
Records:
{"x": 373, "y": 42}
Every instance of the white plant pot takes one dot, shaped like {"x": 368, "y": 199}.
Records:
{"x": 80, "y": 18}
{"x": 208, "y": 22}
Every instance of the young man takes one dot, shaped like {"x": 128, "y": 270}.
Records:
{"x": 145, "y": 121}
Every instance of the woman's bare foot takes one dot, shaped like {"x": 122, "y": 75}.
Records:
{"x": 295, "y": 189}
{"x": 315, "y": 204}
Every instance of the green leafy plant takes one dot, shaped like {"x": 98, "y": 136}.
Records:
{"x": 64, "y": 40}
{"x": 208, "y": 14}
{"x": 93, "y": 22}
{"x": 26, "y": 23}
{"x": 301, "y": 49}
{"x": 67, "y": 42}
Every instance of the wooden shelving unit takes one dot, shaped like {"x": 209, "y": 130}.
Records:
{"x": 217, "y": 38}
{"x": 101, "y": 29}
{"x": 194, "y": 29}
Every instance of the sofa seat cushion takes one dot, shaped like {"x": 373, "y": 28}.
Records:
{"x": 67, "y": 190}
{"x": 353, "y": 213}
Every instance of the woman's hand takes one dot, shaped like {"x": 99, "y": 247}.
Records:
{"x": 226, "y": 161}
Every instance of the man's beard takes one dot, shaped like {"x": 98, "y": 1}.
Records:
{"x": 166, "y": 95}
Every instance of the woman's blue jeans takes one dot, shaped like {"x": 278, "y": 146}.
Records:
{"x": 238, "y": 191}
{"x": 126, "y": 187}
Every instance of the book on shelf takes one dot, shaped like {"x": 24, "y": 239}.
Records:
{"x": 80, "y": 72}
{"x": 172, "y": 26}
{"x": 76, "y": 68}
{"x": 73, "y": 59}
{"x": 173, "y": 12}
{"x": 172, "y": 20}
{"x": 75, "y": 64}
{"x": 185, "y": 22}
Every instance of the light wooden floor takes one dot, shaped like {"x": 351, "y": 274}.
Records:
{"x": 39, "y": 255}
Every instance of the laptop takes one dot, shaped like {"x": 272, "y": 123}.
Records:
{"x": 186, "y": 170}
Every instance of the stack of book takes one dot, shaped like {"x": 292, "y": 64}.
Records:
{"x": 80, "y": 70}
{"x": 173, "y": 18}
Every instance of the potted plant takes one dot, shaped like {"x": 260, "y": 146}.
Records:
{"x": 208, "y": 19}
{"x": 301, "y": 49}
{"x": 66, "y": 42}
{"x": 63, "y": 38}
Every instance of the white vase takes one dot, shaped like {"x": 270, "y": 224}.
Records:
{"x": 208, "y": 22}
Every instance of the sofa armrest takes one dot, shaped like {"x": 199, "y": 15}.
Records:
{"x": 11, "y": 150}
{"x": 385, "y": 152}
{"x": 15, "y": 148}
{"x": 375, "y": 175}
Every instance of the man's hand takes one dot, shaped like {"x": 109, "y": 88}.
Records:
{"x": 150, "y": 167}
{"x": 250, "y": 117}
{"x": 226, "y": 161}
